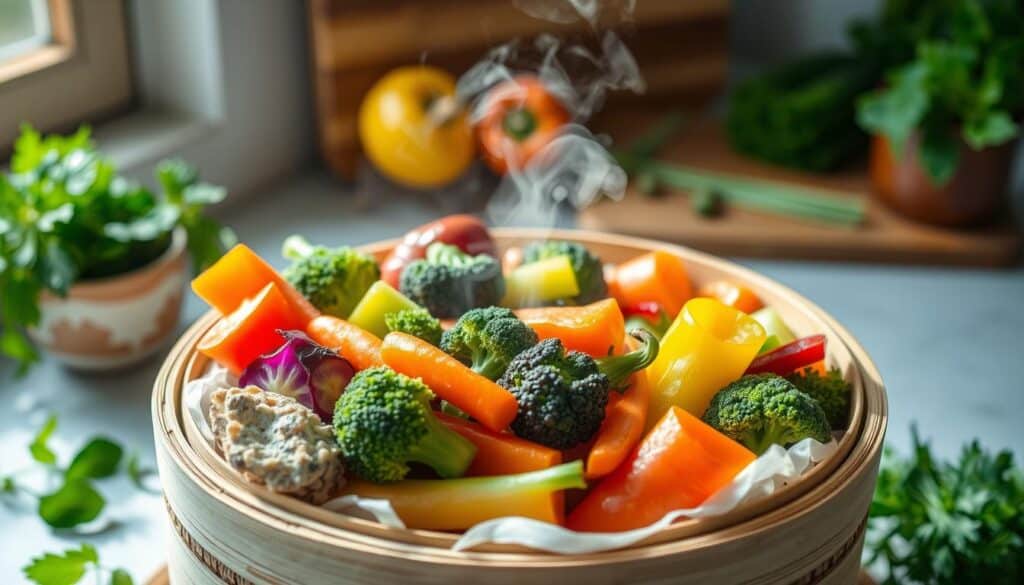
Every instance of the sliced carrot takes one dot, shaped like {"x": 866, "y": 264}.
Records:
{"x": 732, "y": 295}
{"x": 482, "y": 399}
{"x": 596, "y": 329}
{"x": 624, "y": 422}
{"x": 250, "y": 330}
{"x": 679, "y": 464}
{"x": 657, "y": 276}
{"x": 501, "y": 453}
{"x": 239, "y": 275}
{"x": 355, "y": 344}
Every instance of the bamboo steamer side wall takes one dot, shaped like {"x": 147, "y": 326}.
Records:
{"x": 222, "y": 535}
{"x": 681, "y": 47}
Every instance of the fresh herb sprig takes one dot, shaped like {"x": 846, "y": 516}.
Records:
{"x": 76, "y": 500}
{"x": 66, "y": 215}
{"x": 963, "y": 79}
{"x": 937, "y": 522}
{"x": 71, "y": 567}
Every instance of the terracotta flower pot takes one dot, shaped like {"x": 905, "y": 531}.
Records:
{"x": 112, "y": 322}
{"x": 973, "y": 195}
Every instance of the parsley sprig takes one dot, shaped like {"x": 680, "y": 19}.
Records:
{"x": 75, "y": 501}
{"x": 71, "y": 566}
{"x": 938, "y": 522}
{"x": 66, "y": 215}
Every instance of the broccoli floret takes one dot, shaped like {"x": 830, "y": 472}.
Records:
{"x": 333, "y": 279}
{"x": 383, "y": 421}
{"x": 562, "y": 395}
{"x": 487, "y": 339}
{"x": 416, "y": 322}
{"x": 762, "y": 410}
{"x": 449, "y": 282}
{"x": 830, "y": 391}
{"x": 585, "y": 265}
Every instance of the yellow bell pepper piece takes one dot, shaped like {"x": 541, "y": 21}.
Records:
{"x": 708, "y": 346}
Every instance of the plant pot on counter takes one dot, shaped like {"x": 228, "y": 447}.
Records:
{"x": 975, "y": 193}
{"x": 116, "y": 321}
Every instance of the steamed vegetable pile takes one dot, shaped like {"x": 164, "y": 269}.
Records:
{"x": 463, "y": 387}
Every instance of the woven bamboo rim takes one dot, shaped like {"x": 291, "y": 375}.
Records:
{"x": 858, "y": 450}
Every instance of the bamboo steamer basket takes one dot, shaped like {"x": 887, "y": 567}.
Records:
{"x": 225, "y": 530}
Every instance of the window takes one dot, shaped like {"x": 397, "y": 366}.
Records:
{"x": 62, "y": 62}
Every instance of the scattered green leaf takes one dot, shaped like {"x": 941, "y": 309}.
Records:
{"x": 62, "y": 569}
{"x": 75, "y": 503}
{"x": 120, "y": 577}
{"x": 39, "y": 447}
{"x": 99, "y": 458}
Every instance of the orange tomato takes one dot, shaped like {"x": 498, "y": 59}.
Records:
{"x": 251, "y": 330}
{"x": 520, "y": 118}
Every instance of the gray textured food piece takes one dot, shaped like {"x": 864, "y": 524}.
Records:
{"x": 273, "y": 440}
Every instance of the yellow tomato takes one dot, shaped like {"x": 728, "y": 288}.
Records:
{"x": 413, "y": 129}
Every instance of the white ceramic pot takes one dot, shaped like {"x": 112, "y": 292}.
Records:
{"x": 112, "y": 322}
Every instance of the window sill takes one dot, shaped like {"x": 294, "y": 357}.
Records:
{"x": 138, "y": 140}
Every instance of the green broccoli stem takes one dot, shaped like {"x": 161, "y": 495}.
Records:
{"x": 773, "y": 435}
{"x": 296, "y": 247}
{"x": 445, "y": 451}
{"x": 487, "y": 364}
{"x": 619, "y": 368}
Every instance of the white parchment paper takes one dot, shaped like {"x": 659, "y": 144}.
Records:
{"x": 772, "y": 471}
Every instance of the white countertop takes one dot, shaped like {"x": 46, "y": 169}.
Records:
{"x": 947, "y": 342}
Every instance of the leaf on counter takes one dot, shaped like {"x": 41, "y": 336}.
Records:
{"x": 99, "y": 458}
{"x": 39, "y": 447}
{"x": 63, "y": 569}
{"x": 76, "y": 502}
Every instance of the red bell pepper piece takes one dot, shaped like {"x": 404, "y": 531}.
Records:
{"x": 790, "y": 357}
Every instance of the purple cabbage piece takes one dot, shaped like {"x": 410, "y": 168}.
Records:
{"x": 310, "y": 373}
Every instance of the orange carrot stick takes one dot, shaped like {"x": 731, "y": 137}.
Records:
{"x": 241, "y": 274}
{"x": 624, "y": 422}
{"x": 657, "y": 276}
{"x": 596, "y": 329}
{"x": 484, "y": 400}
{"x": 679, "y": 464}
{"x": 501, "y": 453}
{"x": 732, "y": 295}
{"x": 355, "y": 344}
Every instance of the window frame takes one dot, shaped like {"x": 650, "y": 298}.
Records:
{"x": 83, "y": 74}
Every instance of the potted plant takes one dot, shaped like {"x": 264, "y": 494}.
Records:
{"x": 945, "y": 124}
{"x": 92, "y": 265}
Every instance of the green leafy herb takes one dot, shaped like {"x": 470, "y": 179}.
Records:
{"x": 39, "y": 447}
{"x": 99, "y": 458}
{"x": 63, "y": 569}
{"x": 76, "y": 502}
{"x": 937, "y": 522}
{"x": 65, "y": 216}
{"x": 956, "y": 78}
{"x": 70, "y": 567}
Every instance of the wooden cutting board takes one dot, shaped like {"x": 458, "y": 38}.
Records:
{"x": 884, "y": 237}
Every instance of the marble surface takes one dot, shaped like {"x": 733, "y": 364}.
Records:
{"x": 947, "y": 341}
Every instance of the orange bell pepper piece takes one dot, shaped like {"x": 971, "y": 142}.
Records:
{"x": 657, "y": 276}
{"x": 239, "y": 275}
{"x": 624, "y": 421}
{"x": 251, "y": 330}
{"x": 597, "y": 329}
{"x": 357, "y": 345}
{"x": 482, "y": 399}
{"x": 732, "y": 295}
{"x": 679, "y": 464}
{"x": 818, "y": 367}
{"x": 501, "y": 453}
